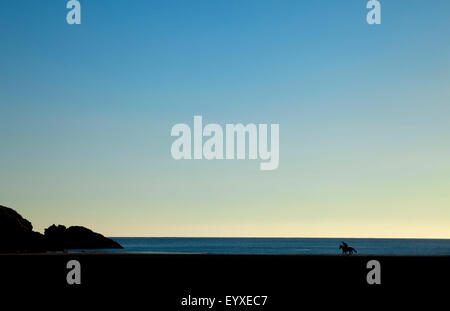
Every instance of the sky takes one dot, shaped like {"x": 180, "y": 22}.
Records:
{"x": 86, "y": 113}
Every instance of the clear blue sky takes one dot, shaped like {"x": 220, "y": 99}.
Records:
{"x": 364, "y": 113}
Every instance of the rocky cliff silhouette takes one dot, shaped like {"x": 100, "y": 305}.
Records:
{"x": 76, "y": 237}
{"x": 17, "y": 235}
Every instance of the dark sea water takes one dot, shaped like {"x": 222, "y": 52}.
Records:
{"x": 312, "y": 246}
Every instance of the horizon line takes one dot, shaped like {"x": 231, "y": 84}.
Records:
{"x": 279, "y": 237}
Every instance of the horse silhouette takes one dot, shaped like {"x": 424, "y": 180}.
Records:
{"x": 347, "y": 249}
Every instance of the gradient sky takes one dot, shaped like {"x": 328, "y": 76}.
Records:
{"x": 364, "y": 114}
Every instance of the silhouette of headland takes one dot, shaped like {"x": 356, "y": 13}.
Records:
{"x": 17, "y": 235}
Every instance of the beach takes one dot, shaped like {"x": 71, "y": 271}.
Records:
{"x": 183, "y": 274}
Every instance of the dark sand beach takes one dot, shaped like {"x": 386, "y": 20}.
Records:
{"x": 167, "y": 278}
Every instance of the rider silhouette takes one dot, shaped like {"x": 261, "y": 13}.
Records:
{"x": 346, "y": 249}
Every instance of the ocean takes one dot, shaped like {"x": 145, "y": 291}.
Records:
{"x": 310, "y": 246}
